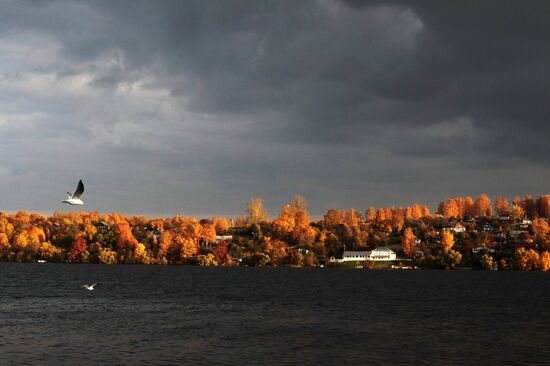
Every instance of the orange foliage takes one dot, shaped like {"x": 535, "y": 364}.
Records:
{"x": 371, "y": 214}
{"x": 165, "y": 242}
{"x": 185, "y": 247}
{"x": 125, "y": 238}
{"x": 527, "y": 260}
{"x": 220, "y": 224}
{"x": 545, "y": 261}
{"x": 408, "y": 243}
{"x": 380, "y": 215}
{"x": 482, "y": 206}
{"x": 540, "y": 228}
{"x": 447, "y": 240}
{"x": 256, "y": 211}
{"x": 543, "y": 206}
{"x": 502, "y": 206}
{"x": 334, "y": 217}
{"x": 208, "y": 233}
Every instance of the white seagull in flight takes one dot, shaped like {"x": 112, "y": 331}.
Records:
{"x": 74, "y": 199}
{"x": 91, "y": 287}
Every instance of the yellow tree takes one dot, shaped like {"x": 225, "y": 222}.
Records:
{"x": 165, "y": 242}
{"x": 140, "y": 254}
{"x": 4, "y": 241}
{"x": 447, "y": 240}
{"x": 107, "y": 256}
{"x": 256, "y": 211}
{"x": 545, "y": 261}
{"x": 334, "y": 217}
{"x": 451, "y": 209}
{"x": 286, "y": 221}
{"x": 540, "y": 228}
{"x": 482, "y": 206}
{"x": 517, "y": 211}
{"x": 417, "y": 212}
{"x": 221, "y": 224}
{"x": 371, "y": 214}
{"x": 47, "y": 251}
{"x": 408, "y": 243}
{"x": 186, "y": 247}
{"x": 527, "y": 260}
{"x": 380, "y": 215}
{"x": 469, "y": 206}
{"x": 208, "y": 233}
{"x": 502, "y": 206}
{"x": 125, "y": 238}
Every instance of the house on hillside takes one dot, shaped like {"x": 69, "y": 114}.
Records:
{"x": 382, "y": 254}
{"x": 354, "y": 255}
{"x": 457, "y": 227}
{"x": 378, "y": 254}
{"x": 504, "y": 218}
{"x": 102, "y": 226}
{"x": 487, "y": 227}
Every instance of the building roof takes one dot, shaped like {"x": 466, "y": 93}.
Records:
{"x": 383, "y": 249}
{"x": 356, "y": 252}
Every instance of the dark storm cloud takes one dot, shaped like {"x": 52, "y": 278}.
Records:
{"x": 194, "y": 106}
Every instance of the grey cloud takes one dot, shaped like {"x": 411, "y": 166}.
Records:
{"x": 195, "y": 106}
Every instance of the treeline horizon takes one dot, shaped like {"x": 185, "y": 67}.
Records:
{"x": 290, "y": 239}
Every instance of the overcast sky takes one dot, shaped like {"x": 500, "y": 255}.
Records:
{"x": 194, "y": 107}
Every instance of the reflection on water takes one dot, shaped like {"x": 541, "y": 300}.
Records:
{"x": 175, "y": 315}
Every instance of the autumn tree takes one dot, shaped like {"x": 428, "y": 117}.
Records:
{"x": 502, "y": 206}
{"x": 527, "y": 260}
{"x": 540, "y": 228}
{"x": 488, "y": 263}
{"x": 371, "y": 214}
{"x": 221, "y": 224}
{"x": 78, "y": 250}
{"x": 451, "y": 209}
{"x": 333, "y": 217}
{"x": 516, "y": 211}
{"x": 528, "y": 205}
{"x": 447, "y": 240}
{"x": 408, "y": 243}
{"x": 140, "y": 254}
{"x": 482, "y": 206}
{"x": 208, "y": 233}
{"x": 543, "y": 206}
{"x": 107, "y": 256}
{"x": 451, "y": 259}
{"x": 125, "y": 238}
{"x": 184, "y": 248}
{"x": 469, "y": 206}
{"x": 545, "y": 261}
{"x": 418, "y": 211}
{"x": 351, "y": 218}
{"x": 380, "y": 215}
{"x": 49, "y": 252}
{"x": 256, "y": 211}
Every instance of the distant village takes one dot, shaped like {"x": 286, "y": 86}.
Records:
{"x": 465, "y": 233}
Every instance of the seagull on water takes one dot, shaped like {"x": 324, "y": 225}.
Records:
{"x": 74, "y": 199}
{"x": 90, "y": 287}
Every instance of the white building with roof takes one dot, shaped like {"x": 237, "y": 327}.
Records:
{"x": 382, "y": 254}
{"x": 378, "y": 254}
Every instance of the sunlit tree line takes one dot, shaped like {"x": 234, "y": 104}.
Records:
{"x": 291, "y": 238}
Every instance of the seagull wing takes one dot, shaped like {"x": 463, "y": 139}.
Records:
{"x": 79, "y": 190}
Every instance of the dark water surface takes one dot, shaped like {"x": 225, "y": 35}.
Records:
{"x": 192, "y": 315}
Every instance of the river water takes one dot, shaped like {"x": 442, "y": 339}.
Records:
{"x": 270, "y": 316}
